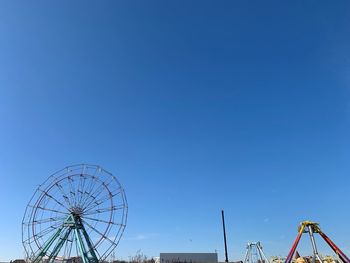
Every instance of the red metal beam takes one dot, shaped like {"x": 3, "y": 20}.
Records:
{"x": 295, "y": 244}
{"x": 340, "y": 253}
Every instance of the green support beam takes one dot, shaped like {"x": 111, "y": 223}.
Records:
{"x": 59, "y": 245}
{"x": 47, "y": 246}
{"x": 93, "y": 258}
{"x": 72, "y": 223}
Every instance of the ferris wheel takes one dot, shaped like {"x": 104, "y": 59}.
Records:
{"x": 79, "y": 212}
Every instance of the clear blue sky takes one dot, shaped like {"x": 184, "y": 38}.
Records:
{"x": 195, "y": 106}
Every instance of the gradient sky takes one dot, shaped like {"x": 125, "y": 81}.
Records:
{"x": 196, "y": 106}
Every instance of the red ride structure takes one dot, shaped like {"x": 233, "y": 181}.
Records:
{"x": 311, "y": 228}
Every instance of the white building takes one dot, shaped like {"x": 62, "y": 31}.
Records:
{"x": 188, "y": 257}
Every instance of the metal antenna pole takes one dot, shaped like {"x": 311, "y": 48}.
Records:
{"x": 223, "y": 226}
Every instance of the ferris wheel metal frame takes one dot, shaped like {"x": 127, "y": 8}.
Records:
{"x": 255, "y": 253}
{"x": 78, "y": 212}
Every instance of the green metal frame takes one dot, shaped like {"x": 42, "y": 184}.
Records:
{"x": 72, "y": 223}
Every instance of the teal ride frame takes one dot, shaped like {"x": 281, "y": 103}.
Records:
{"x": 72, "y": 223}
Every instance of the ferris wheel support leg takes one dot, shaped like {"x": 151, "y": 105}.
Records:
{"x": 295, "y": 244}
{"x": 59, "y": 245}
{"x": 340, "y": 253}
{"x": 46, "y": 247}
{"x": 88, "y": 242}
{"x": 81, "y": 246}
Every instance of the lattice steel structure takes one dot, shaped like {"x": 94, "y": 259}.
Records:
{"x": 255, "y": 254}
{"x": 79, "y": 212}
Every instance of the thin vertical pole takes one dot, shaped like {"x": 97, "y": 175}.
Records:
{"x": 223, "y": 226}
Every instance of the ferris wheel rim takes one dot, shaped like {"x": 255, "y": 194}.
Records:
{"x": 54, "y": 185}
{"x": 33, "y": 206}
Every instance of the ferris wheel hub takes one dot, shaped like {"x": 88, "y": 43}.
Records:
{"x": 77, "y": 211}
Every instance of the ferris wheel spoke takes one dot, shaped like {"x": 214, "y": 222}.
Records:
{"x": 82, "y": 188}
{"x": 98, "y": 232}
{"x": 29, "y": 240}
{"x": 93, "y": 204}
{"x": 72, "y": 190}
{"x": 53, "y": 198}
{"x": 94, "y": 194}
{"x": 102, "y": 221}
{"x": 47, "y": 220}
{"x": 52, "y": 210}
{"x": 103, "y": 210}
{"x": 89, "y": 188}
{"x": 102, "y": 200}
{"x": 87, "y": 198}
{"x": 43, "y": 232}
{"x": 77, "y": 189}
{"x": 64, "y": 195}
{"x": 100, "y": 189}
